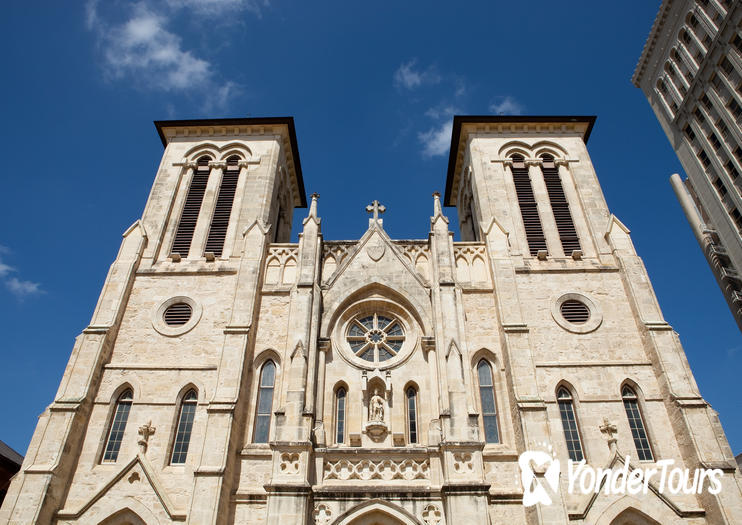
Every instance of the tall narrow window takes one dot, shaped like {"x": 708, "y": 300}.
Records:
{"x": 412, "y": 414}
{"x": 569, "y": 424}
{"x": 340, "y": 396}
{"x": 223, "y": 208}
{"x": 528, "y": 207}
{"x": 191, "y": 208}
{"x": 560, "y": 206}
{"x": 118, "y": 425}
{"x": 185, "y": 425}
{"x": 487, "y": 397}
{"x": 265, "y": 402}
{"x": 636, "y": 423}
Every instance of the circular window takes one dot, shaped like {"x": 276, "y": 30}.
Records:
{"x": 575, "y": 311}
{"x": 177, "y": 314}
{"x": 375, "y": 338}
{"x": 375, "y": 333}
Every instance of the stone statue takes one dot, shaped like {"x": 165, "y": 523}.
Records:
{"x": 376, "y": 407}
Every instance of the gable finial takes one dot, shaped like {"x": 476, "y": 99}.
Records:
{"x": 376, "y": 208}
{"x": 313, "y": 205}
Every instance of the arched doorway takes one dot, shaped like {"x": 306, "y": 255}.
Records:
{"x": 633, "y": 517}
{"x": 376, "y": 517}
{"x": 123, "y": 517}
{"x": 376, "y": 512}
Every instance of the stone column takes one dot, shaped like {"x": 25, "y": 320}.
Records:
{"x": 464, "y": 490}
{"x": 289, "y": 488}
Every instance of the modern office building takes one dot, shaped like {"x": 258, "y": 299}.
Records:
{"x": 691, "y": 73}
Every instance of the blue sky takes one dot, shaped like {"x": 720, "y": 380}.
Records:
{"x": 372, "y": 87}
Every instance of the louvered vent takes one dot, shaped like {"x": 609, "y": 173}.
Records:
{"x": 189, "y": 216}
{"x": 575, "y": 311}
{"x": 178, "y": 314}
{"x": 559, "y": 206}
{"x": 528, "y": 208}
{"x": 223, "y": 209}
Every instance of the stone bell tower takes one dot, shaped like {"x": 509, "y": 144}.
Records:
{"x": 171, "y": 331}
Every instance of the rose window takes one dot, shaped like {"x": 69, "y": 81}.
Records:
{"x": 375, "y": 338}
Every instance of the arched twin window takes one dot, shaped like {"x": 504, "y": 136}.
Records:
{"x": 118, "y": 425}
{"x": 636, "y": 423}
{"x": 569, "y": 424}
{"x": 222, "y": 208}
{"x": 265, "y": 402}
{"x": 340, "y": 400}
{"x": 487, "y": 400}
{"x": 186, "y": 413}
{"x": 184, "y": 428}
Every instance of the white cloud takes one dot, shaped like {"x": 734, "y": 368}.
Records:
{"x": 436, "y": 140}
{"x": 18, "y": 287}
{"x": 442, "y": 111}
{"x": 5, "y": 269}
{"x": 409, "y": 77}
{"x": 218, "y": 8}
{"x": 506, "y": 106}
{"x": 143, "y": 50}
{"x": 21, "y": 288}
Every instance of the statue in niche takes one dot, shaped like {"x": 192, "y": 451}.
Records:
{"x": 376, "y": 407}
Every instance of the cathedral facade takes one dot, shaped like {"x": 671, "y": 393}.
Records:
{"x": 229, "y": 376}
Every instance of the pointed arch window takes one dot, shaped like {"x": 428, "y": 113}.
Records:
{"x": 559, "y": 205}
{"x": 265, "y": 402}
{"x": 223, "y": 208}
{"x": 569, "y": 424}
{"x": 185, "y": 425}
{"x": 528, "y": 206}
{"x": 487, "y": 399}
{"x": 118, "y": 425}
{"x": 636, "y": 423}
{"x": 411, "y": 395}
{"x": 340, "y": 398}
{"x": 191, "y": 208}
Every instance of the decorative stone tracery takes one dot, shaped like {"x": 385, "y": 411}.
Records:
{"x": 366, "y": 469}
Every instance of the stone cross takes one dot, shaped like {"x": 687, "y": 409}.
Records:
{"x": 610, "y": 430}
{"x": 376, "y": 209}
{"x": 145, "y": 431}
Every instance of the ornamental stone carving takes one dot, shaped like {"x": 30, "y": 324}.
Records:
{"x": 463, "y": 462}
{"x": 432, "y": 515}
{"x": 408, "y": 469}
{"x": 289, "y": 463}
{"x": 322, "y": 514}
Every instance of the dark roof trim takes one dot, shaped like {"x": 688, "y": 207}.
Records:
{"x": 251, "y": 121}
{"x": 9, "y": 454}
{"x": 459, "y": 120}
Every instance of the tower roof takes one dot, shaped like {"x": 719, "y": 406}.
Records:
{"x": 465, "y": 124}
{"x": 167, "y": 129}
